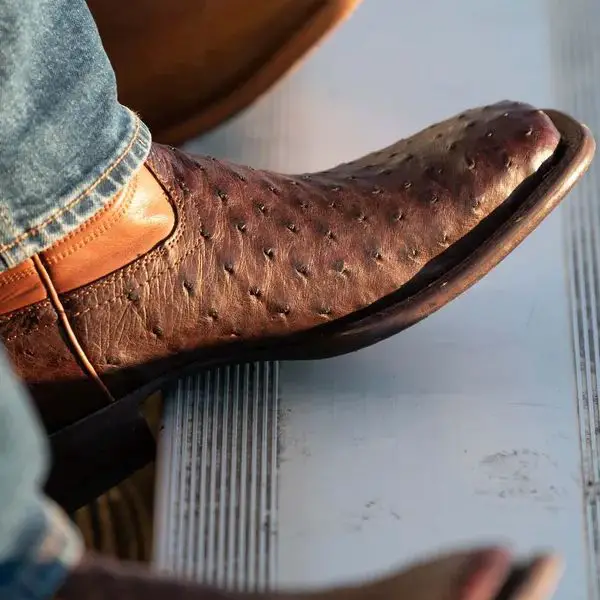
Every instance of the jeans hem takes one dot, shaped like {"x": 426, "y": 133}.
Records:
{"x": 85, "y": 201}
{"x": 51, "y": 548}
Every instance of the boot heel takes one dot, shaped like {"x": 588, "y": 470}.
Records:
{"x": 96, "y": 453}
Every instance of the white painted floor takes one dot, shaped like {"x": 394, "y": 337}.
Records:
{"x": 464, "y": 428}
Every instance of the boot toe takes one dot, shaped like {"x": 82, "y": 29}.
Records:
{"x": 407, "y": 204}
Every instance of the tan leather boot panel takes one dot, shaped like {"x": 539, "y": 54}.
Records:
{"x": 19, "y": 287}
{"x": 139, "y": 218}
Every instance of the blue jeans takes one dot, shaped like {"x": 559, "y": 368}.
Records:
{"x": 38, "y": 544}
{"x": 66, "y": 147}
{"x": 66, "y": 144}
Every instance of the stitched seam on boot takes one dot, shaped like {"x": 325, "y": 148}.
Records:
{"x": 142, "y": 283}
{"x": 22, "y": 334}
{"x": 73, "y": 343}
{"x": 130, "y": 270}
{"x": 16, "y": 277}
{"x": 97, "y": 232}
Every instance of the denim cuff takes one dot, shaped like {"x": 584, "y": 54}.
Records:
{"x": 30, "y": 225}
{"x": 49, "y": 548}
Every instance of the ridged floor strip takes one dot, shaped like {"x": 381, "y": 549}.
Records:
{"x": 575, "y": 43}
{"x": 217, "y": 474}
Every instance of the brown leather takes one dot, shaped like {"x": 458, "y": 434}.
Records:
{"x": 257, "y": 257}
{"x": 139, "y": 218}
{"x": 128, "y": 227}
{"x": 214, "y": 58}
{"x": 19, "y": 287}
{"x": 444, "y": 578}
{"x": 34, "y": 340}
{"x": 463, "y": 575}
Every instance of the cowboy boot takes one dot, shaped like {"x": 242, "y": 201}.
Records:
{"x": 199, "y": 262}
{"x": 479, "y": 575}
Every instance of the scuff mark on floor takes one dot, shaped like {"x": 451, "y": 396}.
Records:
{"x": 522, "y": 474}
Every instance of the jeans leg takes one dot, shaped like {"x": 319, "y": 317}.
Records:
{"x": 66, "y": 144}
{"x": 38, "y": 544}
